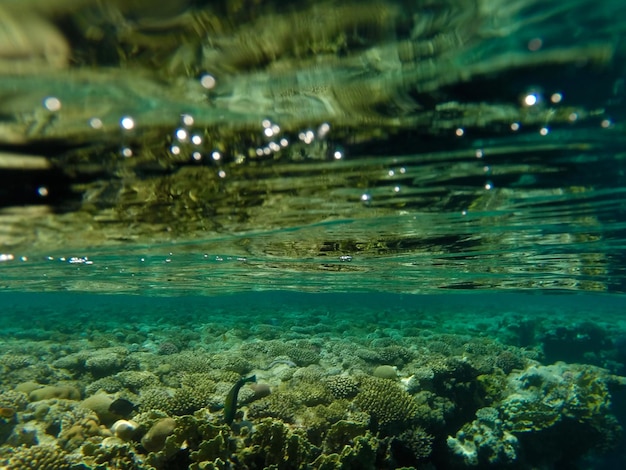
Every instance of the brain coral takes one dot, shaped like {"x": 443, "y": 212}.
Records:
{"x": 390, "y": 407}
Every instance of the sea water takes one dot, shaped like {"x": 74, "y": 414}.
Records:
{"x": 431, "y": 276}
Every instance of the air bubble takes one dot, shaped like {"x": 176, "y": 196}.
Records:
{"x": 127, "y": 123}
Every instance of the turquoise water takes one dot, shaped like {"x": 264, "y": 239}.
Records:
{"x": 312, "y": 235}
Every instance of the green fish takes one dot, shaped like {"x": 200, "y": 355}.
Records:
{"x": 230, "y": 404}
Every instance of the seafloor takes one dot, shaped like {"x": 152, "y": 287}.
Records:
{"x": 342, "y": 381}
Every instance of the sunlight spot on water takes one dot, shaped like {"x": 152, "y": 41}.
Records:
{"x": 187, "y": 119}
{"x": 535, "y": 44}
{"x": 323, "y": 130}
{"x": 208, "y": 81}
{"x": 531, "y": 99}
{"x": 52, "y": 103}
{"x": 127, "y": 123}
{"x": 556, "y": 97}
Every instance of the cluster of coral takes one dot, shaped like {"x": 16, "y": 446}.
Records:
{"x": 327, "y": 397}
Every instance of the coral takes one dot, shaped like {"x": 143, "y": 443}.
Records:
{"x": 395, "y": 355}
{"x": 390, "y": 407}
{"x": 12, "y": 399}
{"x": 312, "y": 393}
{"x": 508, "y": 361}
{"x": 411, "y": 445}
{"x": 135, "y": 380}
{"x": 100, "y": 404}
{"x": 280, "y": 405}
{"x": 100, "y": 362}
{"x": 360, "y": 454}
{"x": 56, "y": 416}
{"x": 300, "y": 352}
{"x": 166, "y": 348}
{"x": 231, "y": 362}
{"x": 17, "y": 361}
{"x": 106, "y": 384}
{"x": 156, "y": 398}
{"x": 342, "y": 433}
{"x": 190, "y": 361}
{"x": 540, "y": 396}
{"x": 197, "y": 390}
{"x": 206, "y": 443}
{"x": 111, "y": 455}
{"x": 342, "y": 386}
{"x": 484, "y": 441}
{"x": 154, "y": 439}
{"x": 74, "y": 436}
{"x": 40, "y": 457}
{"x": 104, "y": 362}
{"x": 386, "y": 372}
{"x": 560, "y": 407}
{"x": 51, "y": 391}
{"x": 273, "y": 444}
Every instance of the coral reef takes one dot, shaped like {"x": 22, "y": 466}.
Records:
{"x": 352, "y": 399}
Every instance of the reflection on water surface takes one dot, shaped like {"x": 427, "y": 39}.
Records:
{"x": 406, "y": 146}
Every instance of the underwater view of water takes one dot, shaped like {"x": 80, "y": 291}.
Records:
{"x": 312, "y": 234}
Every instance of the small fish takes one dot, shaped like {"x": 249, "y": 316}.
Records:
{"x": 122, "y": 407}
{"x": 7, "y": 413}
{"x": 230, "y": 404}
